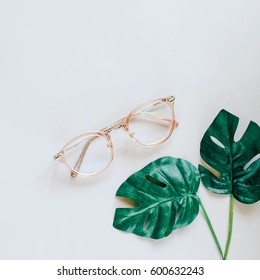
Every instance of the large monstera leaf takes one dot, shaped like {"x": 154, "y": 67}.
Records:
{"x": 237, "y": 162}
{"x": 165, "y": 194}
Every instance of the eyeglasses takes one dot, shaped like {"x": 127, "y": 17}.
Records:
{"x": 149, "y": 124}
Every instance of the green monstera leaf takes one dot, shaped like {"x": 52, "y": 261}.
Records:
{"x": 237, "y": 162}
{"x": 165, "y": 194}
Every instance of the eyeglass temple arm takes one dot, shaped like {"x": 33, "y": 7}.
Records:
{"x": 163, "y": 121}
{"x": 155, "y": 118}
{"x": 80, "y": 159}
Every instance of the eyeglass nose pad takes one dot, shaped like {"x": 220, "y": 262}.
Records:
{"x": 110, "y": 144}
{"x": 109, "y": 141}
{"x": 176, "y": 124}
{"x": 125, "y": 127}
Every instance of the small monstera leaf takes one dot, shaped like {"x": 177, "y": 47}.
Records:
{"x": 237, "y": 162}
{"x": 165, "y": 194}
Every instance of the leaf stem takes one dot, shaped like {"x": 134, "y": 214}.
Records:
{"x": 230, "y": 227}
{"x": 211, "y": 229}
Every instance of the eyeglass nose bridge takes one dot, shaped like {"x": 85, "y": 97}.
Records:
{"x": 118, "y": 124}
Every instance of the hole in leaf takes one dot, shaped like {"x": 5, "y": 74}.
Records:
{"x": 155, "y": 181}
{"x": 147, "y": 221}
{"x": 255, "y": 158}
{"x": 128, "y": 202}
{"x": 216, "y": 141}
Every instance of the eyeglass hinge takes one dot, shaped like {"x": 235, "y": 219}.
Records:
{"x": 169, "y": 99}
{"x": 58, "y": 155}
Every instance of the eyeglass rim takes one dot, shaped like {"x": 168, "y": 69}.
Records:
{"x": 75, "y": 172}
{"x": 170, "y": 101}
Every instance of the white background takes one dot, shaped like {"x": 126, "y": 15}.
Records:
{"x": 67, "y": 67}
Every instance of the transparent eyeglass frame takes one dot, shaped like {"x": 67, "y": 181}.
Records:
{"x": 121, "y": 123}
